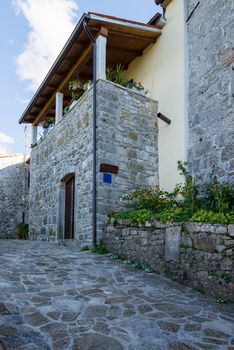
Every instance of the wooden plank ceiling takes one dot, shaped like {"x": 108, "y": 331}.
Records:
{"x": 124, "y": 44}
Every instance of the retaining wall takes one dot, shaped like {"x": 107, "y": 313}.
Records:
{"x": 198, "y": 255}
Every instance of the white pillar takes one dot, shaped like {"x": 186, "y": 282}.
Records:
{"x": 34, "y": 135}
{"x": 58, "y": 107}
{"x": 101, "y": 57}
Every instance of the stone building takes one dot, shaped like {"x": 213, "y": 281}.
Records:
{"x": 66, "y": 153}
{"x": 113, "y": 139}
{"x": 13, "y": 193}
{"x": 210, "y": 94}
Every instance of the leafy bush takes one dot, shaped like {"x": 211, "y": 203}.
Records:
{"x": 22, "y": 231}
{"x": 101, "y": 248}
{"x": 219, "y": 197}
{"x": 212, "y": 218}
{"x": 171, "y": 215}
{"x": 212, "y": 203}
{"x": 151, "y": 199}
{"x": 189, "y": 191}
{"x": 116, "y": 75}
{"x": 136, "y": 217}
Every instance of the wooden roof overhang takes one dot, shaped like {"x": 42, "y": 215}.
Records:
{"x": 126, "y": 40}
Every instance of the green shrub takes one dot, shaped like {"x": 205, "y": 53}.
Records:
{"x": 22, "y": 231}
{"x": 152, "y": 199}
{"x": 212, "y": 203}
{"x": 219, "y": 197}
{"x": 136, "y": 217}
{"x": 100, "y": 249}
{"x": 212, "y": 218}
{"x": 174, "y": 214}
{"x": 188, "y": 191}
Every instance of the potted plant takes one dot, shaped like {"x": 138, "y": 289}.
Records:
{"x": 137, "y": 87}
{"x": 116, "y": 75}
{"x": 87, "y": 85}
{"x": 75, "y": 85}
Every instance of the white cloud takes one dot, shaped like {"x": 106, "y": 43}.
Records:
{"x": 5, "y": 142}
{"x": 51, "y": 23}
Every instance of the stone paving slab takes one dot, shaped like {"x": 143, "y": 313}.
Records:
{"x": 55, "y": 298}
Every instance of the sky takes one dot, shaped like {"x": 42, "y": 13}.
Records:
{"x": 32, "y": 33}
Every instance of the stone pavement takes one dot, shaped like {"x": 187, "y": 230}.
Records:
{"x": 55, "y": 298}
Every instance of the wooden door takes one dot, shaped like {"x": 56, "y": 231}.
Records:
{"x": 69, "y": 208}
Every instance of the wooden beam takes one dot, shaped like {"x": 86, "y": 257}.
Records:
{"x": 133, "y": 36}
{"x": 124, "y": 49}
{"x": 103, "y": 32}
{"x": 127, "y": 35}
{"x": 62, "y": 85}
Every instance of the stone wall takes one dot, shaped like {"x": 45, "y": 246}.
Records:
{"x": 126, "y": 137}
{"x": 66, "y": 149}
{"x": 211, "y": 105}
{"x": 13, "y": 193}
{"x": 197, "y": 255}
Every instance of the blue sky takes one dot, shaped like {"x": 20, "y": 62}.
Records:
{"x": 32, "y": 34}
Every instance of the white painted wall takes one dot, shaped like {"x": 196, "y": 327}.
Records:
{"x": 161, "y": 70}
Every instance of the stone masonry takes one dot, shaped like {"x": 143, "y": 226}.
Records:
{"x": 127, "y": 136}
{"x": 195, "y": 254}
{"x": 13, "y": 193}
{"x": 211, "y": 105}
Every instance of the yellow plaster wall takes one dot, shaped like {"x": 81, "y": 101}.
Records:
{"x": 161, "y": 70}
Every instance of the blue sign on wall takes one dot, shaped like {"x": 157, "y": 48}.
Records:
{"x": 107, "y": 178}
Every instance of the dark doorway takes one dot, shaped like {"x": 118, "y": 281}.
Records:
{"x": 69, "y": 208}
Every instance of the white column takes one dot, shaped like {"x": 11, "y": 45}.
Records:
{"x": 58, "y": 107}
{"x": 34, "y": 135}
{"x": 101, "y": 57}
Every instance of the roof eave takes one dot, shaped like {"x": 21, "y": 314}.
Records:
{"x": 54, "y": 67}
{"x": 129, "y": 24}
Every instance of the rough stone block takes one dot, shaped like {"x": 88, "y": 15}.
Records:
{"x": 231, "y": 230}
{"x": 172, "y": 243}
{"x": 205, "y": 242}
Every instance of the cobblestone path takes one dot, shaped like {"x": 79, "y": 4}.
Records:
{"x": 54, "y": 298}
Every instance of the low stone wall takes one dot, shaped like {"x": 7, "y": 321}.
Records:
{"x": 198, "y": 255}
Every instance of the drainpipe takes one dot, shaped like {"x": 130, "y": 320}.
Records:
{"x": 94, "y": 195}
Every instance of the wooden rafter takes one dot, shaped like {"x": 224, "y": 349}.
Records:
{"x": 125, "y": 49}
{"x": 63, "y": 84}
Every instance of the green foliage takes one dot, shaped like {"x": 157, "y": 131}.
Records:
{"x": 219, "y": 197}
{"x": 189, "y": 191}
{"x": 136, "y": 217}
{"x": 173, "y": 215}
{"x": 85, "y": 248}
{"x": 128, "y": 262}
{"x": 47, "y": 125}
{"x": 151, "y": 199}
{"x": 226, "y": 277}
{"x": 113, "y": 256}
{"x": 212, "y": 218}
{"x": 211, "y": 203}
{"x": 74, "y": 85}
{"x": 22, "y": 231}
{"x": 100, "y": 249}
{"x": 221, "y": 300}
{"x": 116, "y": 75}
{"x": 133, "y": 84}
